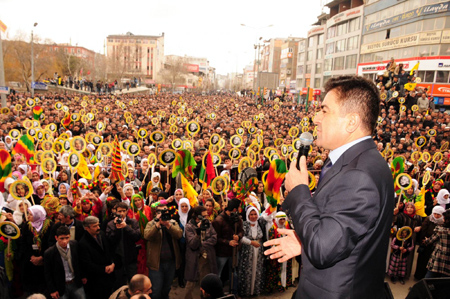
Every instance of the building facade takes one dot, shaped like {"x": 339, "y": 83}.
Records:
{"x": 410, "y": 31}
{"x": 332, "y": 46}
{"x": 288, "y": 63}
{"x": 136, "y": 56}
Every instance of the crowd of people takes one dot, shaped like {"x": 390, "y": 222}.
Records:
{"x": 89, "y": 232}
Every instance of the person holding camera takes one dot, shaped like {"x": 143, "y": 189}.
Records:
{"x": 200, "y": 252}
{"x": 228, "y": 226}
{"x": 123, "y": 233}
{"x": 163, "y": 253}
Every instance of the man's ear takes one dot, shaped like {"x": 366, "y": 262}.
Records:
{"x": 353, "y": 122}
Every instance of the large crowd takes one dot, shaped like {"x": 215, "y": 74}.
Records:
{"x": 88, "y": 230}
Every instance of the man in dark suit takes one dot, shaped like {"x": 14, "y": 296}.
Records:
{"x": 123, "y": 233}
{"x": 343, "y": 229}
{"x": 66, "y": 217}
{"x": 62, "y": 269}
{"x": 96, "y": 260}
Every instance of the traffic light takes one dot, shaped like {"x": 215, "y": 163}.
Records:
{"x": 265, "y": 90}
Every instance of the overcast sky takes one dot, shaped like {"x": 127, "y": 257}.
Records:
{"x": 208, "y": 29}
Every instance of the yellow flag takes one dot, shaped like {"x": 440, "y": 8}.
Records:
{"x": 83, "y": 169}
{"x": 416, "y": 67}
{"x": 189, "y": 191}
{"x": 96, "y": 171}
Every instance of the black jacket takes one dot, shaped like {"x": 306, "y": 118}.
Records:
{"x": 79, "y": 231}
{"x": 127, "y": 236}
{"x": 93, "y": 260}
{"x": 54, "y": 268}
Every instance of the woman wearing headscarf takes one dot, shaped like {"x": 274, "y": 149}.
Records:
{"x": 428, "y": 226}
{"x": 142, "y": 172}
{"x": 183, "y": 213}
{"x": 32, "y": 245}
{"x": 439, "y": 263}
{"x": 19, "y": 213}
{"x": 9, "y": 143}
{"x": 143, "y": 214}
{"x": 38, "y": 192}
{"x": 251, "y": 257}
{"x": 409, "y": 218}
{"x": 278, "y": 276}
{"x": 443, "y": 198}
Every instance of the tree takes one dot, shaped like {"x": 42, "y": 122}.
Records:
{"x": 17, "y": 59}
{"x": 174, "y": 71}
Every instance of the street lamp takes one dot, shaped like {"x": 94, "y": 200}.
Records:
{"x": 257, "y": 46}
{"x": 32, "y": 62}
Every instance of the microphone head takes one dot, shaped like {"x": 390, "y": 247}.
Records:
{"x": 306, "y": 138}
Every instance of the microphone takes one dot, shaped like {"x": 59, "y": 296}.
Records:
{"x": 306, "y": 139}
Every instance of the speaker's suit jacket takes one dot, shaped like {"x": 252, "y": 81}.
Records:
{"x": 344, "y": 227}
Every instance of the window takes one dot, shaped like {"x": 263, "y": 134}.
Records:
{"x": 309, "y": 55}
{"x": 308, "y": 69}
{"x": 301, "y": 56}
{"x": 352, "y": 43}
{"x": 367, "y": 57}
{"x": 428, "y": 25}
{"x": 338, "y": 63}
{"x": 300, "y": 70}
{"x": 318, "y": 68}
{"x": 353, "y": 24}
{"x": 317, "y": 83}
{"x": 341, "y": 29}
{"x": 310, "y": 41}
{"x": 301, "y": 46}
{"x": 350, "y": 62}
{"x": 442, "y": 76}
{"x": 340, "y": 46}
{"x": 320, "y": 39}
{"x": 319, "y": 53}
{"x": 426, "y": 76}
{"x": 439, "y": 24}
{"x": 327, "y": 64}
{"x": 434, "y": 50}
{"x": 331, "y": 32}
{"x": 329, "y": 48}
{"x": 325, "y": 79}
{"x": 445, "y": 50}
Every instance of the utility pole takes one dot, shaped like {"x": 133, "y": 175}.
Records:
{"x": 2, "y": 70}
{"x": 32, "y": 63}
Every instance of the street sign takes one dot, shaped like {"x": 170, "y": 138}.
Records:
{"x": 39, "y": 85}
{"x": 4, "y": 90}
{"x": 3, "y": 26}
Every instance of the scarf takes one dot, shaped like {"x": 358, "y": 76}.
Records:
{"x": 156, "y": 174}
{"x": 437, "y": 210}
{"x": 183, "y": 216}
{"x": 413, "y": 213}
{"x": 440, "y": 198}
{"x": 39, "y": 216}
{"x": 36, "y": 185}
{"x": 251, "y": 208}
{"x": 66, "y": 255}
{"x": 143, "y": 220}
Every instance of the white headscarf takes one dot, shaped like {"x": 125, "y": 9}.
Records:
{"x": 251, "y": 208}
{"x": 440, "y": 198}
{"x": 278, "y": 216}
{"x": 415, "y": 184}
{"x": 437, "y": 210}
{"x": 156, "y": 174}
{"x": 183, "y": 216}
{"x": 128, "y": 186}
{"x": 39, "y": 215}
{"x": 17, "y": 216}
{"x": 84, "y": 182}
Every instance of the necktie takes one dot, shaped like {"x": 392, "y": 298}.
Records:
{"x": 325, "y": 168}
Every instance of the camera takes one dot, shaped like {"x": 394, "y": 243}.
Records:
{"x": 205, "y": 224}
{"x": 165, "y": 216}
{"x": 117, "y": 218}
{"x": 235, "y": 217}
